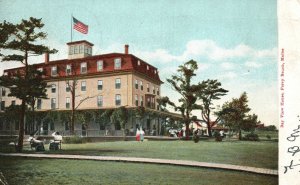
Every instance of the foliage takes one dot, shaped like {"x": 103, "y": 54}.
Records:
{"x": 74, "y": 140}
{"x": 251, "y": 137}
{"x": 120, "y": 115}
{"x": 238, "y": 118}
{"x": 268, "y": 128}
{"x": 217, "y": 136}
{"x": 211, "y": 91}
{"x": 181, "y": 83}
{"x": 19, "y": 40}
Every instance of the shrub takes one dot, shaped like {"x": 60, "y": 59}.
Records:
{"x": 268, "y": 137}
{"x": 251, "y": 137}
{"x": 196, "y": 138}
{"x": 74, "y": 140}
{"x": 217, "y": 136}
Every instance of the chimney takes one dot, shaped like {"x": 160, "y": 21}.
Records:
{"x": 46, "y": 58}
{"x": 126, "y": 49}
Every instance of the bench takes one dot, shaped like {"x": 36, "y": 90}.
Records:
{"x": 55, "y": 145}
{"x": 9, "y": 141}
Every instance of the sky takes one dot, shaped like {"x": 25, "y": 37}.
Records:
{"x": 232, "y": 41}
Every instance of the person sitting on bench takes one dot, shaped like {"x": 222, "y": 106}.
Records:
{"x": 37, "y": 144}
{"x": 56, "y": 143}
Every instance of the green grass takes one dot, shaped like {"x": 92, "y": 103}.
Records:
{"x": 262, "y": 154}
{"x": 27, "y": 171}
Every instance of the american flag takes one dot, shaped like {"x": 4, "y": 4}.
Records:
{"x": 79, "y": 26}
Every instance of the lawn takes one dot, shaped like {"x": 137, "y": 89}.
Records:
{"x": 46, "y": 171}
{"x": 262, "y": 154}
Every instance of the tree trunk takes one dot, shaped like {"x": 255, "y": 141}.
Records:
{"x": 240, "y": 134}
{"x": 187, "y": 131}
{"x": 21, "y": 127}
{"x": 209, "y": 130}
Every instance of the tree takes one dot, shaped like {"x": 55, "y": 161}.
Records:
{"x": 211, "y": 91}
{"x": 237, "y": 118}
{"x": 182, "y": 84}
{"x": 20, "y": 40}
{"x": 72, "y": 83}
{"x": 120, "y": 115}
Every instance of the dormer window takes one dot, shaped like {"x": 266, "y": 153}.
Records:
{"x": 83, "y": 68}
{"x": 68, "y": 69}
{"x": 53, "y": 70}
{"x": 99, "y": 65}
{"x": 117, "y": 62}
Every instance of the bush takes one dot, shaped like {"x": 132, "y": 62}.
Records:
{"x": 196, "y": 138}
{"x": 74, "y": 140}
{"x": 251, "y": 137}
{"x": 217, "y": 136}
{"x": 268, "y": 137}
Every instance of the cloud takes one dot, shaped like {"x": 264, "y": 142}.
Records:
{"x": 228, "y": 75}
{"x": 253, "y": 64}
{"x": 227, "y": 65}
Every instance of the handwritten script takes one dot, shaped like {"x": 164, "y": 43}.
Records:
{"x": 293, "y": 149}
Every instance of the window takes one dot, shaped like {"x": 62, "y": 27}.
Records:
{"x": 67, "y": 126}
{"x": 13, "y": 102}
{"x": 99, "y": 65}
{"x": 142, "y": 101}
{"x": 136, "y": 84}
{"x": 75, "y": 49}
{"x": 2, "y": 105}
{"x": 100, "y": 84}
{"x": 53, "y": 88}
{"x": 68, "y": 69}
{"x": 53, "y": 70}
{"x": 148, "y": 89}
{"x": 67, "y": 102}
{"x": 157, "y": 107}
{"x": 118, "y": 83}
{"x": 81, "y": 49}
{"x": 51, "y": 125}
{"x": 39, "y": 104}
{"x": 16, "y": 125}
{"x": 53, "y": 103}
{"x": 1, "y": 125}
{"x": 71, "y": 50}
{"x": 67, "y": 87}
{"x": 141, "y": 84}
{"x": 136, "y": 100}
{"x": 118, "y": 99}
{"x": 83, "y": 86}
{"x": 139, "y": 62}
{"x": 153, "y": 89}
{"x": 100, "y": 101}
{"x": 157, "y": 90}
{"x": 3, "y": 92}
{"x": 83, "y": 68}
{"x": 117, "y": 63}
{"x": 147, "y": 67}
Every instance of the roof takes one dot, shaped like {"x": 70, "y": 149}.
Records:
{"x": 79, "y": 42}
{"x": 129, "y": 63}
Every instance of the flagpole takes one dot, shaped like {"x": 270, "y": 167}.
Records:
{"x": 71, "y": 27}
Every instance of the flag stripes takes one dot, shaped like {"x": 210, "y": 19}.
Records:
{"x": 79, "y": 26}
